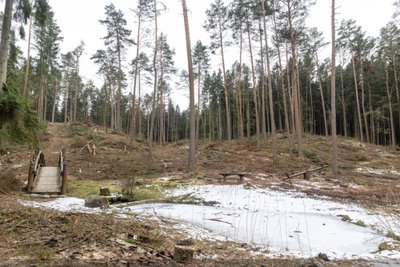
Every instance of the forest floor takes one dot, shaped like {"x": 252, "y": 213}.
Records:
{"x": 369, "y": 176}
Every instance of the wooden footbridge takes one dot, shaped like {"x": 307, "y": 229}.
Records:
{"x": 44, "y": 179}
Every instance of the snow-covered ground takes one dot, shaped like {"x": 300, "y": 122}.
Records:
{"x": 368, "y": 170}
{"x": 276, "y": 222}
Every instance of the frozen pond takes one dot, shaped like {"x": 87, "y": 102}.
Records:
{"x": 282, "y": 223}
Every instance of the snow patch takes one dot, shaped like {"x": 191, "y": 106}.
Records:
{"x": 369, "y": 170}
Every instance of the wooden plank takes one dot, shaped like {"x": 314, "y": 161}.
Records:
{"x": 48, "y": 181}
{"x": 225, "y": 175}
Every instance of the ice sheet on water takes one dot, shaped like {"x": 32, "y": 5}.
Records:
{"x": 288, "y": 223}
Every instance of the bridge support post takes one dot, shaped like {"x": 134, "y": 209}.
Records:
{"x": 30, "y": 178}
{"x": 64, "y": 173}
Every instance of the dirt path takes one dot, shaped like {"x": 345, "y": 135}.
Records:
{"x": 55, "y": 142}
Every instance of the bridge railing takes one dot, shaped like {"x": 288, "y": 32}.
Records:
{"x": 36, "y": 162}
{"x": 63, "y": 171}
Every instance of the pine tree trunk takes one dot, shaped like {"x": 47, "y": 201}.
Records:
{"x": 239, "y": 89}
{"x": 271, "y": 101}
{"x": 118, "y": 119}
{"x": 153, "y": 111}
{"x": 53, "y": 112}
{"x": 363, "y": 97}
{"x": 192, "y": 138}
{"x": 321, "y": 91}
{"x": 5, "y": 42}
{"x": 40, "y": 106}
{"x": 132, "y": 129}
{"x": 28, "y": 61}
{"x": 389, "y": 96}
{"x": 227, "y": 111}
{"x": 263, "y": 105}
{"x": 312, "y": 113}
{"x": 295, "y": 85}
{"x": 290, "y": 94}
{"x": 139, "y": 113}
{"x": 371, "y": 116}
{"x": 76, "y": 89}
{"x": 198, "y": 99}
{"x": 333, "y": 92}
{"x": 343, "y": 101}
{"x": 357, "y": 98}
{"x": 396, "y": 82}
{"x": 248, "y": 114}
{"x": 283, "y": 89}
{"x": 254, "y": 92}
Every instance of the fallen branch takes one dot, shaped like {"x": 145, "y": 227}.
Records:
{"x": 87, "y": 146}
{"x": 304, "y": 173}
{"x": 72, "y": 245}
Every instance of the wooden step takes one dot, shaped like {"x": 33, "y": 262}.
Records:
{"x": 48, "y": 181}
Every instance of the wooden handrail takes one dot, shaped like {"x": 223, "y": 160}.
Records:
{"x": 63, "y": 169}
{"x": 33, "y": 169}
{"x": 39, "y": 161}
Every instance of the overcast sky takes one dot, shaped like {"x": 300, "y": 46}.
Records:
{"x": 78, "y": 20}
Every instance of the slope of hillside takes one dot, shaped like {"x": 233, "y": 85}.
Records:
{"x": 368, "y": 175}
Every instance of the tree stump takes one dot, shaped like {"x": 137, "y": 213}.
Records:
{"x": 105, "y": 191}
{"x": 183, "y": 254}
{"x": 184, "y": 251}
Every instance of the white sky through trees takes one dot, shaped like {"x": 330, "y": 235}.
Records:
{"x": 79, "y": 20}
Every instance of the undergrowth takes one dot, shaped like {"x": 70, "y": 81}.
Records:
{"x": 18, "y": 122}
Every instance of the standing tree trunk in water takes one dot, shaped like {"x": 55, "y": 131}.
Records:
{"x": 192, "y": 121}
{"x": 5, "y": 42}
{"x": 333, "y": 92}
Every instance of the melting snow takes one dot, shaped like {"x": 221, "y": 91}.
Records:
{"x": 282, "y": 223}
{"x": 368, "y": 170}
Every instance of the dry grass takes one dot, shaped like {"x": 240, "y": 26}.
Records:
{"x": 39, "y": 236}
{"x": 8, "y": 182}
